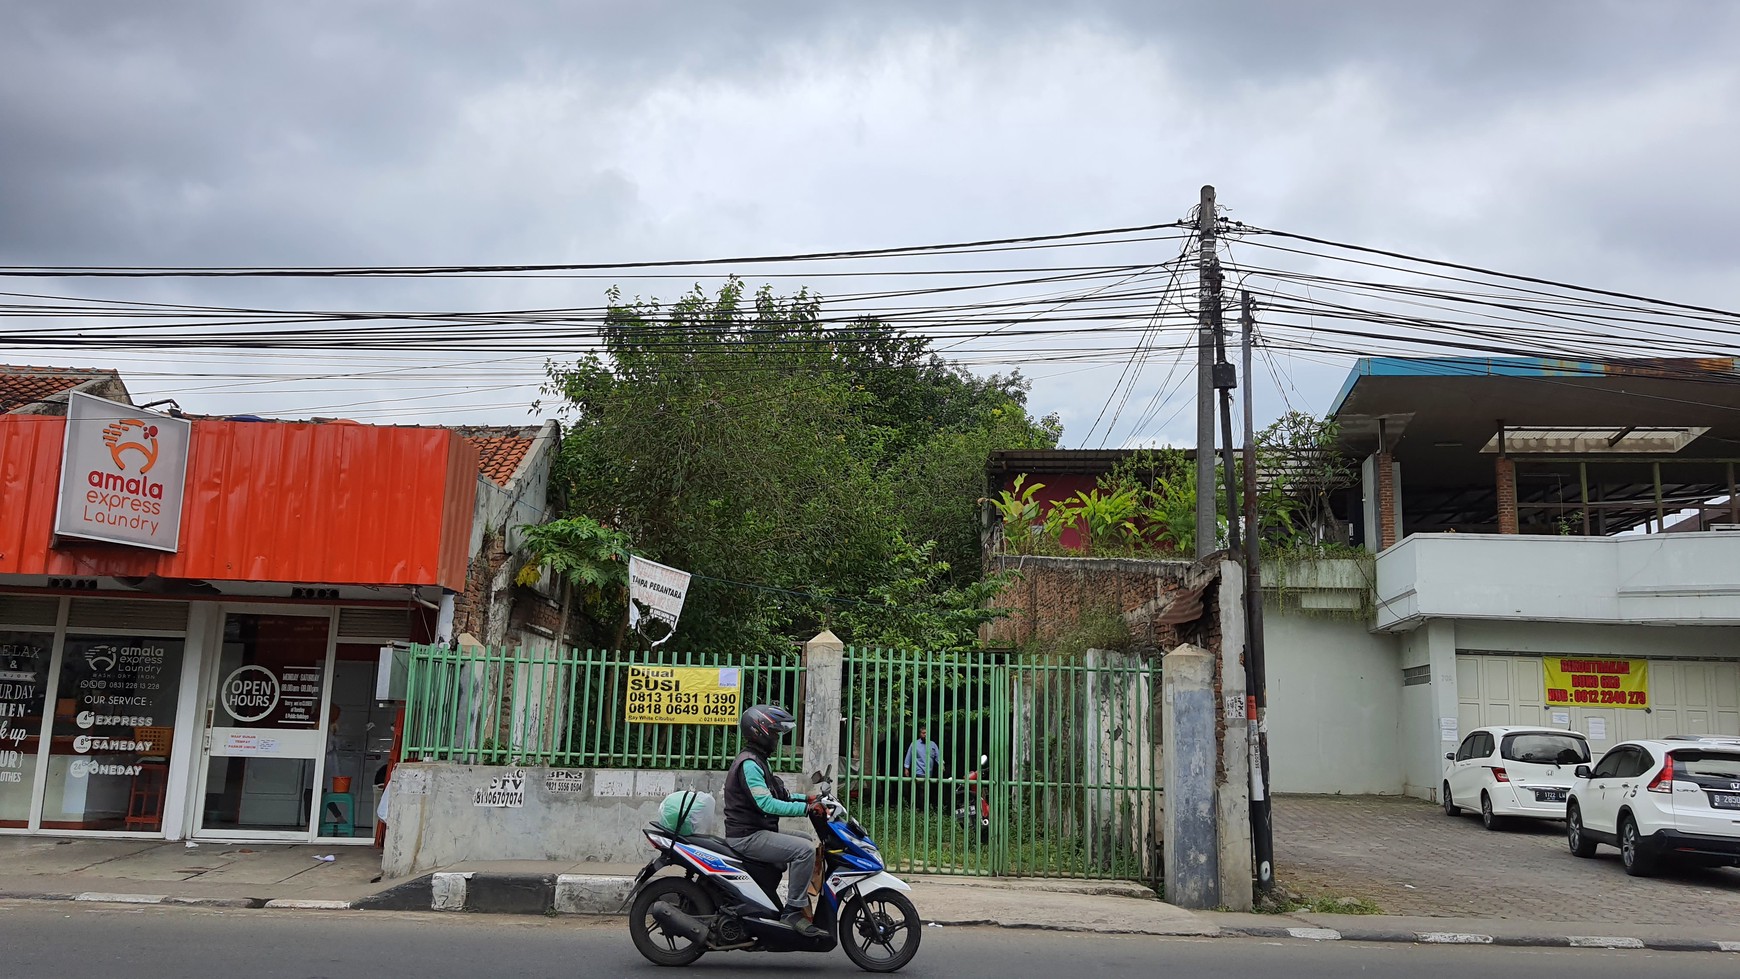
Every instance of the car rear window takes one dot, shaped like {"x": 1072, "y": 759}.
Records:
{"x": 1546, "y": 749}
{"x": 1708, "y": 764}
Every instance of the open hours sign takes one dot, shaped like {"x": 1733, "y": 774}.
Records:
{"x": 682, "y": 695}
{"x": 1585, "y": 682}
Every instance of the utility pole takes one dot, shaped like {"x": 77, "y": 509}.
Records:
{"x": 1256, "y": 668}
{"x": 1225, "y": 380}
{"x": 1208, "y": 307}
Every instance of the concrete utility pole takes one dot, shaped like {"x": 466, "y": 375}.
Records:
{"x": 1256, "y": 668}
{"x": 1208, "y": 304}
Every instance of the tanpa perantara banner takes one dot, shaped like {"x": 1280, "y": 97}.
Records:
{"x": 655, "y": 592}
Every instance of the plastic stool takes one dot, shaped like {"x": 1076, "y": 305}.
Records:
{"x": 343, "y": 821}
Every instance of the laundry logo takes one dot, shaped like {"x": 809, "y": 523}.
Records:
{"x": 124, "y": 474}
{"x": 120, "y": 439}
{"x": 101, "y": 658}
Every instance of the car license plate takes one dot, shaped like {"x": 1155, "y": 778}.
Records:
{"x": 1725, "y": 800}
{"x": 1549, "y": 795}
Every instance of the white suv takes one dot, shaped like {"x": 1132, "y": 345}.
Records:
{"x": 1677, "y": 797}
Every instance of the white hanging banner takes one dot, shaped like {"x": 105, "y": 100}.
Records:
{"x": 655, "y": 592}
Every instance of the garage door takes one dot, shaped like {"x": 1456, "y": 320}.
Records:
{"x": 1688, "y": 697}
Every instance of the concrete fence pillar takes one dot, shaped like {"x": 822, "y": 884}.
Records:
{"x": 824, "y": 658}
{"x": 1192, "y": 840}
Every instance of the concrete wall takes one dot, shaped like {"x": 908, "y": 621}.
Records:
{"x": 585, "y": 814}
{"x": 1335, "y": 705}
{"x": 1670, "y": 579}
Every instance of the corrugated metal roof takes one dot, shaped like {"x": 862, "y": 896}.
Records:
{"x": 265, "y": 501}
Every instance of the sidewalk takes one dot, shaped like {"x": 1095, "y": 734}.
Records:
{"x": 284, "y": 876}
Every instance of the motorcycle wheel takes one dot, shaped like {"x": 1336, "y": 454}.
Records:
{"x": 880, "y": 932}
{"x": 649, "y": 939}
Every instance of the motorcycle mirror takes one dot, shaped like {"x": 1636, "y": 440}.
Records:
{"x": 817, "y": 778}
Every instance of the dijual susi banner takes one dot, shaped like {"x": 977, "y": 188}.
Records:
{"x": 682, "y": 695}
{"x": 1582, "y": 681}
{"x": 655, "y": 592}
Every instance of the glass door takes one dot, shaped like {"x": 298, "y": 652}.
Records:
{"x": 265, "y": 746}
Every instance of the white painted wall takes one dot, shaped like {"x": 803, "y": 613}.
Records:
{"x": 1335, "y": 706}
{"x": 1669, "y": 579}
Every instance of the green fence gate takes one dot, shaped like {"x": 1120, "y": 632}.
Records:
{"x": 565, "y": 708}
{"x": 1071, "y": 768}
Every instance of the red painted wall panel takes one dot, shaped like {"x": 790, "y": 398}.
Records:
{"x": 334, "y": 503}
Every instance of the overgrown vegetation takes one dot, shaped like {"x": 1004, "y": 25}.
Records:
{"x": 809, "y": 475}
{"x": 1146, "y": 506}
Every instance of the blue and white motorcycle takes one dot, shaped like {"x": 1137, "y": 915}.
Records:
{"x": 721, "y": 901}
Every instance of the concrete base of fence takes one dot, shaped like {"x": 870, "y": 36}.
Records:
{"x": 440, "y": 814}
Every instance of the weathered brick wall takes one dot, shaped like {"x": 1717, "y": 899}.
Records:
{"x": 471, "y": 608}
{"x": 1052, "y": 594}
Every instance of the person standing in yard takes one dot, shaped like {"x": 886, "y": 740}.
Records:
{"x": 923, "y": 763}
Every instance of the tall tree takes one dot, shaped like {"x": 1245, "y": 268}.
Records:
{"x": 738, "y": 437}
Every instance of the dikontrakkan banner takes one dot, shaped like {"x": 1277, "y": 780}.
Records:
{"x": 683, "y": 695}
{"x": 1580, "y": 681}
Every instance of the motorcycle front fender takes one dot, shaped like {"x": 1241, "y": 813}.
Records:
{"x": 884, "y": 881}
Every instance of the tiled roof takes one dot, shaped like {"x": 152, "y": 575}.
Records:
{"x": 24, "y": 386}
{"x": 500, "y": 450}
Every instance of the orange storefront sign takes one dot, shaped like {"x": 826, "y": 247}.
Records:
{"x": 334, "y": 503}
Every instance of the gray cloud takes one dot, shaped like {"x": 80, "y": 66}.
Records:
{"x": 1588, "y": 141}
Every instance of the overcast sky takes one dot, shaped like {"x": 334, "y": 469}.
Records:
{"x": 1589, "y": 141}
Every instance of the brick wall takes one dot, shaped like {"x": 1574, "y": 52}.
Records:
{"x": 1052, "y": 595}
{"x": 1386, "y": 488}
{"x": 529, "y": 610}
{"x": 1505, "y": 478}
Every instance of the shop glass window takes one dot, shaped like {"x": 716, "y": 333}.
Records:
{"x": 24, "y": 662}
{"x": 114, "y": 728}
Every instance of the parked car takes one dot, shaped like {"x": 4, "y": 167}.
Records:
{"x": 1512, "y": 771}
{"x": 1674, "y": 798}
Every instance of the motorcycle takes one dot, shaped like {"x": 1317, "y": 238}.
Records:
{"x": 973, "y": 807}
{"x": 723, "y": 901}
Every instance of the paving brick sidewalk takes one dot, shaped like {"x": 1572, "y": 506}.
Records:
{"x": 1411, "y": 859}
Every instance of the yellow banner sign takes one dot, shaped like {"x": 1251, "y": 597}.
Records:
{"x": 1585, "y": 682}
{"x": 682, "y": 695}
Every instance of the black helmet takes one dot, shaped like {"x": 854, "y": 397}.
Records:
{"x": 764, "y": 724}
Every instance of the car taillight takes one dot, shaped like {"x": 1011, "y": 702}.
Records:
{"x": 1500, "y": 775}
{"x": 1664, "y": 782}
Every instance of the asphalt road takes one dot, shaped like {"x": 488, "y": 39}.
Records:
{"x": 68, "y": 941}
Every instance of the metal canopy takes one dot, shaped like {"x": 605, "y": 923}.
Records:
{"x": 1436, "y": 415}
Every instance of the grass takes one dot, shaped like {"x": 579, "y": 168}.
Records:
{"x": 1286, "y": 902}
{"x": 914, "y": 841}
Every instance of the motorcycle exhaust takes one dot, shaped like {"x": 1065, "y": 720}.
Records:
{"x": 675, "y": 921}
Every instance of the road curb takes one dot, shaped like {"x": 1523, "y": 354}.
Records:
{"x": 1383, "y": 936}
{"x": 599, "y": 895}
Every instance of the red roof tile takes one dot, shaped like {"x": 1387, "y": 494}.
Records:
{"x": 21, "y": 387}
{"x": 499, "y": 456}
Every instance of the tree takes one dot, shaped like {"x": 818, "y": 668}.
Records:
{"x": 787, "y": 464}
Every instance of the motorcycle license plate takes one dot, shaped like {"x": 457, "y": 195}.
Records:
{"x": 1549, "y": 795}
{"x": 1725, "y": 800}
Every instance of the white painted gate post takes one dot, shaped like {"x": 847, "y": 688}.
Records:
{"x": 823, "y": 667}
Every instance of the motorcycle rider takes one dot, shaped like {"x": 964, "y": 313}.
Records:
{"x": 755, "y": 799}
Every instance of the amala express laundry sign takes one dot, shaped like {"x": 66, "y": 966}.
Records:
{"x": 123, "y": 473}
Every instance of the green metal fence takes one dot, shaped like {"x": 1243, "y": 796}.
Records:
{"x": 1071, "y": 764}
{"x": 567, "y": 708}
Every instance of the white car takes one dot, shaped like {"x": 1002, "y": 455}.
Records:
{"x": 1677, "y": 797}
{"x": 1512, "y": 771}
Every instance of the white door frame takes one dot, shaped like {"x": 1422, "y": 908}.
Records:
{"x": 208, "y": 702}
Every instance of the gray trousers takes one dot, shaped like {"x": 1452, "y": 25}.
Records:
{"x": 797, "y": 853}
